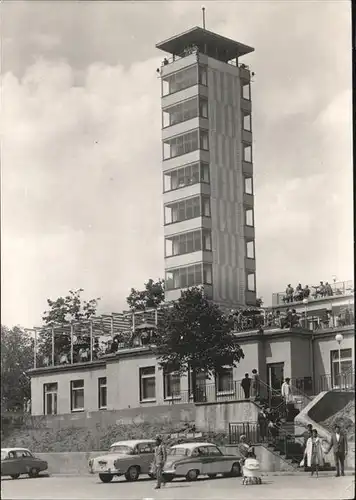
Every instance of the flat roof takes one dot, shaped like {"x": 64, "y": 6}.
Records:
{"x": 208, "y": 42}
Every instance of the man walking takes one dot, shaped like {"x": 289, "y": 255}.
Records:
{"x": 255, "y": 385}
{"x": 286, "y": 393}
{"x": 339, "y": 444}
{"x": 246, "y": 386}
{"x": 159, "y": 461}
{"x": 306, "y": 435}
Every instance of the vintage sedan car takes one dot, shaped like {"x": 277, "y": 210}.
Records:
{"x": 17, "y": 461}
{"x": 125, "y": 458}
{"x": 191, "y": 460}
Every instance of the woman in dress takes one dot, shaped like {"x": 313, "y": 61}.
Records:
{"x": 314, "y": 453}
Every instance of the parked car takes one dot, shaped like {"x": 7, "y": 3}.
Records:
{"x": 125, "y": 458}
{"x": 17, "y": 461}
{"x": 191, "y": 460}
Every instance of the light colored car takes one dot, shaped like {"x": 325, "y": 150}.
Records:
{"x": 191, "y": 460}
{"x": 17, "y": 461}
{"x": 125, "y": 458}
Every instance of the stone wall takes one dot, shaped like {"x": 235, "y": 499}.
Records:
{"x": 215, "y": 417}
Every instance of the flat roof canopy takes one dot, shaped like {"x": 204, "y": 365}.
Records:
{"x": 209, "y": 43}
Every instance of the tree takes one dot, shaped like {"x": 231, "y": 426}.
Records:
{"x": 16, "y": 359}
{"x": 194, "y": 335}
{"x": 151, "y": 297}
{"x": 62, "y": 312}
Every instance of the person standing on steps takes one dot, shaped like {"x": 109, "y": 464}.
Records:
{"x": 246, "y": 385}
{"x": 255, "y": 385}
{"x": 286, "y": 393}
{"x": 159, "y": 461}
{"x": 339, "y": 444}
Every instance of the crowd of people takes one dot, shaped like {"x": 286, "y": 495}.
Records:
{"x": 300, "y": 293}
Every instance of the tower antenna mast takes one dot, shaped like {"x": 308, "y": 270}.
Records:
{"x": 203, "y": 9}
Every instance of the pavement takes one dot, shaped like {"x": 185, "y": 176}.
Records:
{"x": 282, "y": 487}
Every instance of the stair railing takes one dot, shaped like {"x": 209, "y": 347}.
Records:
{"x": 269, "y": 392}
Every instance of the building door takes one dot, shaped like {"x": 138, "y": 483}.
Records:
{"x": 275, "y": 375}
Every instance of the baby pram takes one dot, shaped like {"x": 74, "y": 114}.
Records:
{"x": 251, "y": 470}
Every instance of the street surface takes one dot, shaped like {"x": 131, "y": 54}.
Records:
{"x": 297, "y": 487}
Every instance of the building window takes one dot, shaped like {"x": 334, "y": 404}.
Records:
{"x": 246, "y": 121}
{"x": 248, "y": 185}
{"x": 341, "y": 364}
{"x": 186, "y": 176}
{"x": 50, "y": 396}
{"x": 249, "y": 217}
{"x": 102, "y": 393}
{"x": 77, "y": 395}
{"x": 180, "y": 80}
{"x": 246, "y": 91}
{"x": 184, "y": 277}
{"x": 186, "y": 209}
{"x": 250, "y": 249}
{"x": 203, "y": 75}
{"x": 251, "y": 282}
{"x": 207, "y": 245}
{"x": 224, "y": 380}
{"x": 203, "y": 108}
{"x": 247, "y": 153}
{"x": 204, "y": 140}
{"x": 183, "y": 79}
{"x": 185, "y": 143}
{"x": 171, "y": 383}
{"x": 183, "y": 243}
{"x": 181, "y": 112}
{"x": 148, "y": 383}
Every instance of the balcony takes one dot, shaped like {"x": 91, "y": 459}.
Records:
{"x": 337, "y": 289}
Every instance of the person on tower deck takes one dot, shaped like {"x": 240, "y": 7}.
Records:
{"x": 246, "y": 385}
{"x": 306, "y": 292}
{"x": 298, "y": 294}
{"x": 339, "y": 444}
{"x": 321, "y": 290}
{"x": 255, "y": 385}
{"x": 289, "y": 293}
{"x": 328, "y": 290}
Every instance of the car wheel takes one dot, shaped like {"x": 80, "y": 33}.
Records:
{"x": 33, "y": 472}
{"x": 106, "y": 478}
{"x": 212, "y": 476}
{"x": 15, "y": 476}
{"x": 132, "y": 474}
{"x": 192, "y": 475}
{"x": 235, "y": 470}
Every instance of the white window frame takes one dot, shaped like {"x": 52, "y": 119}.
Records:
{"x": 250, "y": 209}
{"x": 336, "y": 362}
{"x": 73, "y": 390}
{"x": 253, "y": 249}
{"x": 217, "y": 382}
{"x": 53, "y": 393}
{"x": 251, "y": 273}
{"x": 170, "y": 397}
{"x": 248, "y": 177}
{"x": 142, "y": 377}
{"x": 246, "y": 147}
{"x": 102, "y": 386}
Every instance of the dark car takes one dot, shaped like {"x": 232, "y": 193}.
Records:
{"x": 191, "y": 460}
{"x": 17, "y": 461}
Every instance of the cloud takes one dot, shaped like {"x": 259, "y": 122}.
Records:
{"x": 81, "y": 151}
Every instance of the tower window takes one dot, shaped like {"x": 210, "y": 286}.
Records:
{"x": 184, "y": 277}
{"x": 248, "y": 185}
{"x": 247, "y": 152}
{"x": 246, "y": 90}
{"x": 249, "y": 217}
{"x": 186, "y": 176}
{"x": 246, "y": 121}
{"x": 185, "y": 209}
{"x": 250, "y": 249}
{"x": 251, "y": 282}
{"x": 180, "y": 80}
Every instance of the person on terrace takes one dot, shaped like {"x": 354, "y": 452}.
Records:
{"x": 289, "y": 293}
{"x": 306, "y": 292}
{"x": 298, "y": 294}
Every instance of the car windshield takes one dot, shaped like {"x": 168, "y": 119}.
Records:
{"x": 3, "y": 454}
{"x": 178, "y": 452}
{"x": 121, "y": 450}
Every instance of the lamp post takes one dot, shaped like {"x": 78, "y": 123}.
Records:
{"x": 339, "y": 338}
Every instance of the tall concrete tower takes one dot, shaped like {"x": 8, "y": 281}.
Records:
{"x": 208, "y": 168}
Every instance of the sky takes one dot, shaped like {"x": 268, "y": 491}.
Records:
{"x": 81, "y": 144}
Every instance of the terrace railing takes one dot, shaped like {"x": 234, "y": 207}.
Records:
{"x": 339, "y": 288}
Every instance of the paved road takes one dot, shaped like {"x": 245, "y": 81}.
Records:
{"x": 275, "y": 487}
